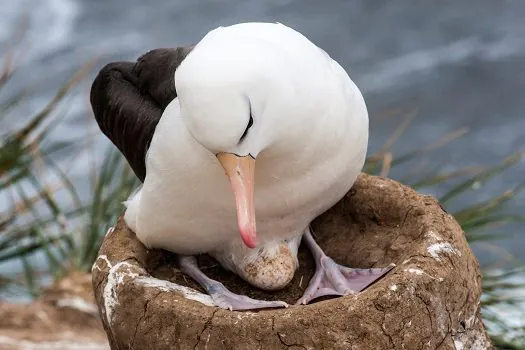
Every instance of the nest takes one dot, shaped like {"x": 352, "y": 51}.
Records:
{"x": 429, "y": 300}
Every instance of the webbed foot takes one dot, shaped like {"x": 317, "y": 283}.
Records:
{"x": 222, "y": 297}
{"x": 331, "y": 278}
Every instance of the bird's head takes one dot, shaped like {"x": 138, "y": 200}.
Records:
{"x": 223, "y": 97}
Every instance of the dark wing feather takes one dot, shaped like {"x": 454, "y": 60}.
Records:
{"x": 128, "y": 100}
{"x": 155, "y": 71}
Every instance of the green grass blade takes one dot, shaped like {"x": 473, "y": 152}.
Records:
{"x": 29, "y": 277}
{"x": 482, "y": 177}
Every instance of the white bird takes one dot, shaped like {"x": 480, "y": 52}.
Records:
{"x": 263, "y": 104}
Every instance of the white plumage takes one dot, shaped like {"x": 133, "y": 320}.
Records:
{"x": 309, "y": 137}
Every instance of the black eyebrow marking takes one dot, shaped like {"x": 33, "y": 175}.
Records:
{"x": 250, "y": 123}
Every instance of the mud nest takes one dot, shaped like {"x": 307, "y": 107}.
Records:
{"x": 430, "y": 300}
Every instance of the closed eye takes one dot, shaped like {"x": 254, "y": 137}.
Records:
{"x": 250, "y": 123}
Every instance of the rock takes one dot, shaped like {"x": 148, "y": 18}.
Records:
{"x": 430, "y": 300}
{"x": 65, "y": 317}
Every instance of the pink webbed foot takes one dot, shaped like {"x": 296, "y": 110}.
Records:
{"x": 220, "y": 295}
{"x": 331, "y": 278}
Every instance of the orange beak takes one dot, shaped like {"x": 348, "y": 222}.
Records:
{"x": 240, "y": 171}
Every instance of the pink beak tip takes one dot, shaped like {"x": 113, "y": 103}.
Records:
{"x": 248, "y": 238}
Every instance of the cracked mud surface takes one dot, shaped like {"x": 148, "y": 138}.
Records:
{"x": 430, "y": 300}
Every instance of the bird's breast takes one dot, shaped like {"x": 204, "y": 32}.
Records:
{"x": 190, "y": 209}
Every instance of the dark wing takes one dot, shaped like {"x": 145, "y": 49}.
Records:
{"x": 128, "y": 99}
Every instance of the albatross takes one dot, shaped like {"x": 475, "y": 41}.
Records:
{"x": 240, "y": 142}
